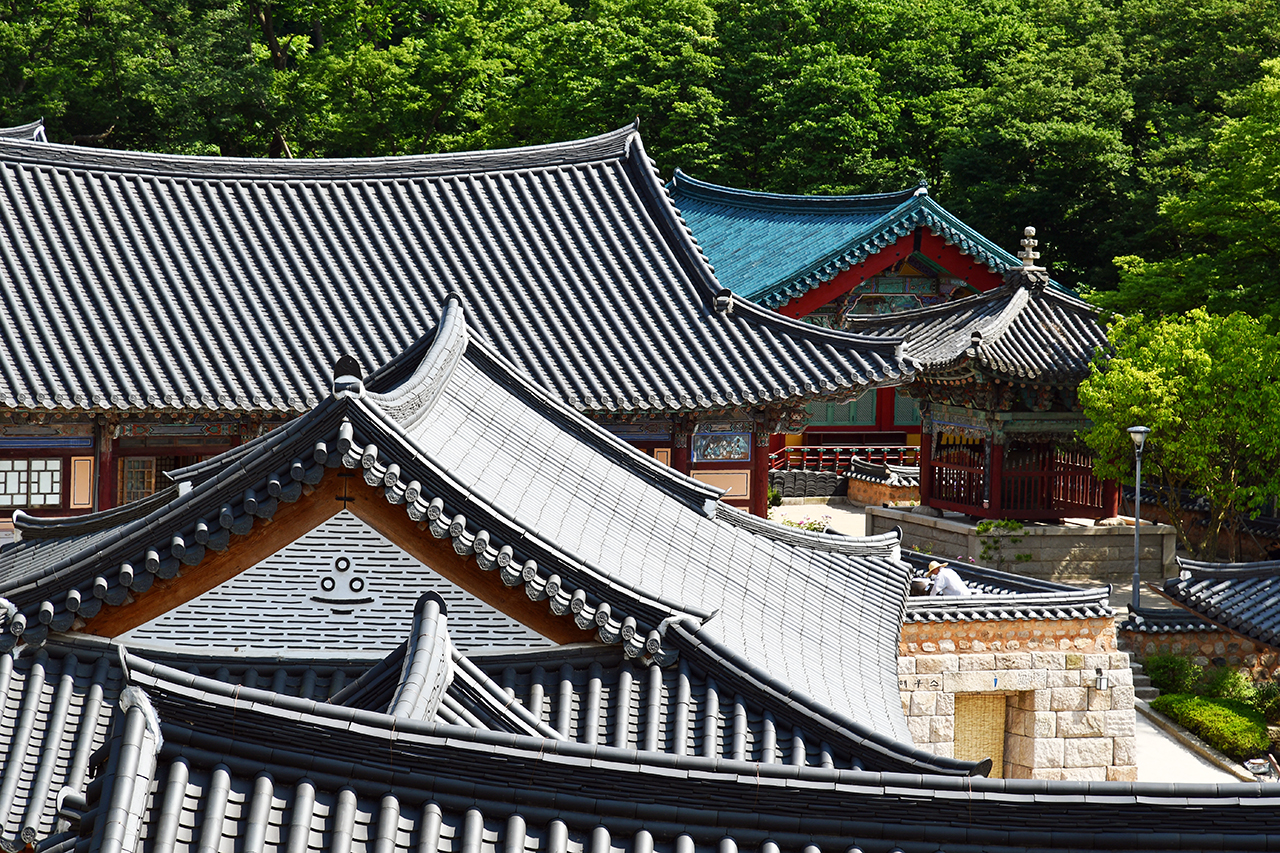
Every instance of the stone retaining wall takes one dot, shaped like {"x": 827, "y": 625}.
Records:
{"x": 1058, "y": 724}
{"x": 1060, "y": 552}
{"x": 1207, "y": 648}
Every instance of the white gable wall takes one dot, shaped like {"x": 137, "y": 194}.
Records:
{"x": 342, "y": 588}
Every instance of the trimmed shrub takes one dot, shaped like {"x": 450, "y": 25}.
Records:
{"x": 1231, "y": 727}
{"x": 1173, "y": 674}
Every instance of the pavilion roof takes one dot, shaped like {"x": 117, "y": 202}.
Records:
{"x": 772, "y": 248}
{"x": 1023, "y": 331}
{"x": 138, "y": 281}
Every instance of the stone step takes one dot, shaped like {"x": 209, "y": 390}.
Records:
{"x": 1142, "y": 688}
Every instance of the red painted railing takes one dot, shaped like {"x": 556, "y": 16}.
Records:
{"x": 1038, "y": 482}
{"x": 837, "y": 459}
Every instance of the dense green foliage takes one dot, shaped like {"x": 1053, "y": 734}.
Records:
{"x": 1083, "y": 118}
{"x": 1227, "y": 725}
{"x": 1227, "y": 224}
{"x": 1208, "y": 386}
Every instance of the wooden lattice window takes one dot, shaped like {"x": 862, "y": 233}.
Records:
{"x": 30, "y": 482}
{"x": 137, "y": 478}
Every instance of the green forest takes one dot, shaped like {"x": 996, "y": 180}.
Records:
{"x": 1138, "y": 136}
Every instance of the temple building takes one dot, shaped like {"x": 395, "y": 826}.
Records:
{"x": 991, "y": 414}
{"x": 833, "y": 260}
{"x": 691, "y": 678}
{"x": 160, "y": 310}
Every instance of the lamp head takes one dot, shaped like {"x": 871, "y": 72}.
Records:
{"x": 1139, "y": 436}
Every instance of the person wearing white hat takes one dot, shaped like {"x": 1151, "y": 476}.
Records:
{"x": 946, "y": 581}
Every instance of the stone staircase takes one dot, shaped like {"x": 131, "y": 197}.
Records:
{"x": 1142, "y": 688}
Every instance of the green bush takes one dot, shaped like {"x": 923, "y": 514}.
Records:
{"x": 1228, "y": 683}
{"x": 1227, "y": 725}
{"x": 1266, "y": 698}
{"x": 775, "y": 497}
{"x": 1173, "y": 674}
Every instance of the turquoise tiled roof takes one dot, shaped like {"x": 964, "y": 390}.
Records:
{"x": 773, "y": 248}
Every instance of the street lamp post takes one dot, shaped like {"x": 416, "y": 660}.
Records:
{"x": 1139, "y": 436}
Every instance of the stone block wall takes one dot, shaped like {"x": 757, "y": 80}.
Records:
{"x": 1059, "y": 552}
{"x": 865, "y": 492}
{"x": 1207, "y": 648}
{"x": 1058, "y": 724}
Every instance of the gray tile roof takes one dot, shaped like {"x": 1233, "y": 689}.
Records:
{"x": 907, "y": 476}
{"x": 252, "y": 768}
{"x": 139, "y": 278}
{"x": 1003, "y": 596}
{"x": 611, "y": 540}
{"x": 1163, "y": 620}
{"x": 197, "y": 752}
{"x": 1244, "y": 597}
{"x": 1023, "y": 331}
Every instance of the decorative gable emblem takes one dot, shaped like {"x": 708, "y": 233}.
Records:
{"x": 342, "y": 588}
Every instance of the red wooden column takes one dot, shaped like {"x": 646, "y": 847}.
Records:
{"x": 996, "y": 476}
{"x": 926, "y": 468}
{"x": 107, "y": 486}
{"x": 1110, "y": 498}
{"x": 760, "y": 475}
{"x": 680, "y": 459}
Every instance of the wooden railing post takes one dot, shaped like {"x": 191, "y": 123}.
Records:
{"x": 926, "y": 468}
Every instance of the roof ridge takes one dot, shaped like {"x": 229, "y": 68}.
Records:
{"x": 800, "y": 203}
{"x": 874, "y": 321}
{"x": 32, "y": 131}
{"x": 413, "y": 398}
{"x": 37, "y": 527}
{"x": 690, "y": 488}
{"x": 1199, "y": 568}
{"x": 995, "y": 327}
{"x": 612, "y": 145}
{"x": 835, "y": 336}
